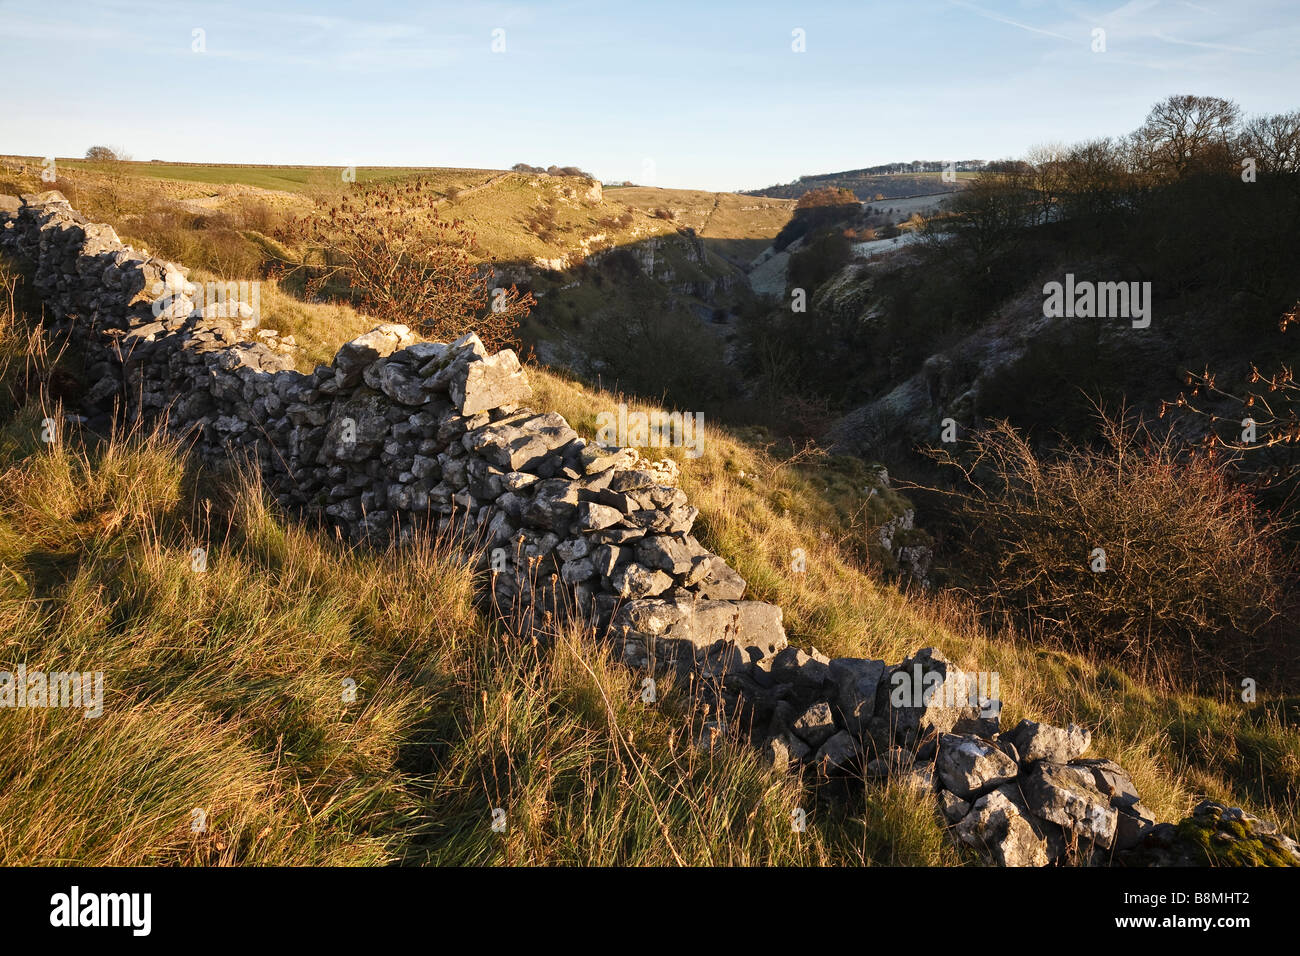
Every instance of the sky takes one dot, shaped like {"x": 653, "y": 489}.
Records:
{"x": 711, "y": 95}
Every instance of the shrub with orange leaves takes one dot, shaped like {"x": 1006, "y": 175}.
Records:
{"x": 399, "y": 260}
{"x": 1190, "y": 569}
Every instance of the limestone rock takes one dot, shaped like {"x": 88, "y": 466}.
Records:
{"x": 856, "y": 683}
{"x": 1215, "y": 835}
{"x": 721, "y": 583}
{"x": 595, "y": 517}
{"x": 922, "y": 697}
{"x": 1034, "y": 742}
{"x": 634, "y": 582}
{"x": 355, "y": 356}
{"x": 837, "y": 754}
{"x": 688, "y": 626}
{"x": 597, "y": 458}
{"x": 520, "y": 445}
{"x": 397, "y": 381}
{"x": 801, "y": 669}
{"x": 954, "y": 807}
{"x": 490, "y": 383}
{"x": 969, "y": 766}
{"x": 1135, "y": 821}
{"x": 783, "y": 750}
{"x": 815, "y": 725}
{"x": 997, "y": 827}
{"x": 1067, "y": 796}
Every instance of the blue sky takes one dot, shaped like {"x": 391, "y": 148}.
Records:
{"x": 703, "y": 94}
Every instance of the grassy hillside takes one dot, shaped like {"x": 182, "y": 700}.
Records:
{"x": 515, "y": 217}
{"x": 224, "y": 693}
{"x": 224, "y": 686}
{"x": 736, "y": 226}
{"x": 552, "y": 235}
{"x": 867, "y": 185}
{"x": 284, "y": 178}
{"x": 532, "y": 217}
{"x": 511, "y": 213}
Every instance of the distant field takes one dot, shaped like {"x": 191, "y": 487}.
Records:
{"x": 902, "y": 208}
{"x": 286, "y": 178}
{"x": 866, "y": 187}
{"x": 741, "y": 226}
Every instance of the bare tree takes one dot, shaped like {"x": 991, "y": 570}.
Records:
{"x": 1049, "y": 175}
{"x": 1273, "y": 142}
{"x": 1184, "y": 134}
{"x": 990, "y": 214}
{"x": 1094, "y": 172}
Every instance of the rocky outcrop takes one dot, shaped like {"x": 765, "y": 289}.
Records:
{"x": 968, "y": 381}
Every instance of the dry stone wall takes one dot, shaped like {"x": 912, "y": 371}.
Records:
{"x": 396, "y": 435}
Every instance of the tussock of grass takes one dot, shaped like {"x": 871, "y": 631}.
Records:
{"x": 223, "y": 692}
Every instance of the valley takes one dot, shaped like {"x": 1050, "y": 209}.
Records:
{"x": 863, "y": 388}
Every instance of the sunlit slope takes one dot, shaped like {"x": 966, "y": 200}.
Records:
{"x": 739, "y": 227}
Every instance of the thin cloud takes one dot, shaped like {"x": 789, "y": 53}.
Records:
{"x": 990, "y": 15}
{"x": 1130, "y": 9}
{"x": 1224, "y": 47}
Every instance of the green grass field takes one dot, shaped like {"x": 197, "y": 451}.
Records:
{"x": 283, "y": 178}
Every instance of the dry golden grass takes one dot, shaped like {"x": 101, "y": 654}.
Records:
{"x": 224, "y": 693}
{"x": 739, "y": 227}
